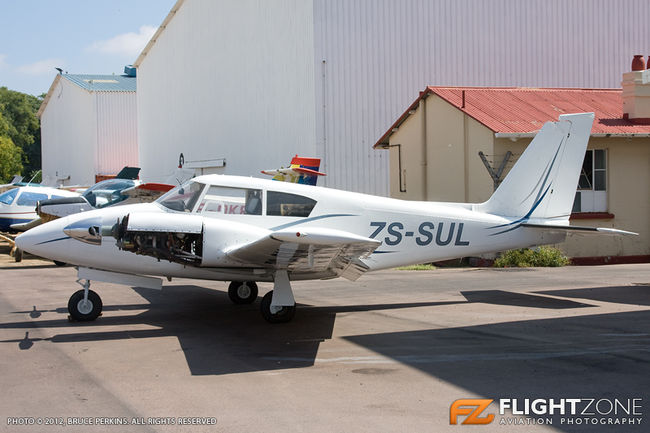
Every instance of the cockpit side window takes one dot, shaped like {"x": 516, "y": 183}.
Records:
{"x": 30, "y": 198}
{"x": 285, "y": 204}
{"x": 108, "y": 192}
{"x": 183, "y": 198}
{"x": 231, "y": 201}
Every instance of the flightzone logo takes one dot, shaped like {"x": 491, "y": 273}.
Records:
{"x": 562, "y": 411}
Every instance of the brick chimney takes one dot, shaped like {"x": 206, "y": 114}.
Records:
{"x": 636, "y": 91}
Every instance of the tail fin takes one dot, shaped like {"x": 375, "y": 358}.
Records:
{"x": 302, "y": 170}
{"x": 542, "y": 184}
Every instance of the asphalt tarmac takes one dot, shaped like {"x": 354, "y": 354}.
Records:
{"x": 387, "y": 353}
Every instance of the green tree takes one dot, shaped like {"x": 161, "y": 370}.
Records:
{"x": 10, "y": 159}
{"x": 4, "y": 127}
{"x": 19, "y": 112}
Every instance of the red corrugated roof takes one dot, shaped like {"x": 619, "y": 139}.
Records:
{"x": 518, "y": 110}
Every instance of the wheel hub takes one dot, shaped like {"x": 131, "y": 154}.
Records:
{"x": 243, "y": 291}
{"x": 85, "y": 306}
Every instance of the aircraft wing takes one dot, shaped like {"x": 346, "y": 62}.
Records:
{"x": 580, "y": 229}
{"x": 23, "y": 227}
{"x": 309, "y": 250}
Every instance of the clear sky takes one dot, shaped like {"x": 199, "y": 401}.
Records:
{"x": 79, "y": 36}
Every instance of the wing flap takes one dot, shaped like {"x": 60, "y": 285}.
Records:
{"x": 309, "y": 250}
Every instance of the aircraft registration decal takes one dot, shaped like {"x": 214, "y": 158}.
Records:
{"x": 443, "y": 234}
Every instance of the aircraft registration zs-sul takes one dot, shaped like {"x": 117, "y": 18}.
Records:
{"x": 244, "y": 229}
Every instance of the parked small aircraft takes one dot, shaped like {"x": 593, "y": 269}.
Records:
{"x": 245, "y": 230}
{"x": 125, "y": 188}
{"x": 17, "y": 205}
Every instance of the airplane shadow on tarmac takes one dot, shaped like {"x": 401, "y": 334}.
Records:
{"x": 218, "y": 337}
{"x": 602, "y": 356}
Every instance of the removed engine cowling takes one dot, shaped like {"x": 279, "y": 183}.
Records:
{"x": 176, "y": 238}
{"x": 54, "y": 208}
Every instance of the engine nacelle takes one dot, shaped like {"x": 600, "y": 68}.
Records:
{"x": 173, "y": 237}
{"x": 186, "y": 239}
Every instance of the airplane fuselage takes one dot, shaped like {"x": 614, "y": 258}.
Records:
{"x": 410, "y": 232}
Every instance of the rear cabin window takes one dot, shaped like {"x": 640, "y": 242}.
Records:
{"x": 285, "y": 204}
{"x": 231, "y": 201}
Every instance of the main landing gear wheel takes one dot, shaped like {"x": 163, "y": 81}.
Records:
{"x": 84, "y": 310}
{"x": 242, "y": 292}
{"x": 276, "y": 314}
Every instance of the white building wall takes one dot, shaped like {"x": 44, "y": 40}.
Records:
{"x": 231, "y": 79}
{"x": 257, "y": 81}
{"x": 68, "y": 136}
{"x": 117, "y": 131}
{"x": 372, "y": 57}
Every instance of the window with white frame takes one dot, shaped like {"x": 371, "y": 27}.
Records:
{"x": 592, "y": 186}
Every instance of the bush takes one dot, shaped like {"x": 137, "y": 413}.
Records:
{"x": 526, "y": 257}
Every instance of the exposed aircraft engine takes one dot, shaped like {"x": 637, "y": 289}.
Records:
{"x": 175, "y": 239}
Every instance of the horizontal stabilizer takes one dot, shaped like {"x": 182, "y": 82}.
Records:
{"x": 581, "y": 230}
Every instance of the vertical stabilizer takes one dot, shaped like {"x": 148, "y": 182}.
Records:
{"x": 542, "y": 184}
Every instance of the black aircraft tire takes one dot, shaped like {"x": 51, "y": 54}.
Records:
{"x": 282, "y": 316}
{"x": 84, "y": 313}
{"x": 242, "y": 292}
{"x": 58, "y": 263}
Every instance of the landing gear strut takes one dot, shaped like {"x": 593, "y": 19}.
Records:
{"x": 277, "y": 314}
{"x": 242, "y": 292}
{"x": 279, "y": 306}
{"x": 84, "y": 305}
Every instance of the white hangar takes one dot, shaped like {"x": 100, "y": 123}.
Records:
{"x": 242, "y": 85}
{"x": 88, "y": 128}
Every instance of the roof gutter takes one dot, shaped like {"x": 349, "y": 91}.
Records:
{"x": 383, "y": 142}
{"x": 517, "y": 135}
{"x": 41, "y": 109}
{"x": 155, "y": 36}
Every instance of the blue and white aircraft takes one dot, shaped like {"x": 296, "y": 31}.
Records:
{"x": 247, "y": 230}
{"x": 18, "y": 205}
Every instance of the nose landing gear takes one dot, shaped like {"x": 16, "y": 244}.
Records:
{"x": 84, "y": 305}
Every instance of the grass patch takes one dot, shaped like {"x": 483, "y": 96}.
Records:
{"x": 527, "y": 257}
{"x": 422, "y": 267}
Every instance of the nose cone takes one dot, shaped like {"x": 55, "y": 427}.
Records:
{"x": 43, "y": 240}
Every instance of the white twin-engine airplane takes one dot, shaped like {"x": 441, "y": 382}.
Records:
{"x": 245, "y": 230}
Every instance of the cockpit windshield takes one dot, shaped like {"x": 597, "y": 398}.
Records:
{"x": 182, "y": 198}
{"x": 107, "y": 192}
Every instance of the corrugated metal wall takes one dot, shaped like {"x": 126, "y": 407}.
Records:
{"x": 117, "y": 131}
{"x": 68, "y": 136}
{"x": 256, "y": 81}
{"x": 373, "y": 56}
{"x": 230, "y": 79}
